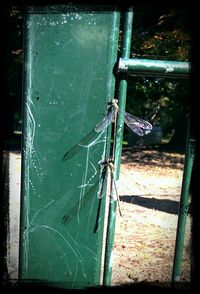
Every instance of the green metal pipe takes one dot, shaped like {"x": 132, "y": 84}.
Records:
{"x": 183, "y": 209}
{"x": 126, "y": 44}
{"x": 157, "y": 68}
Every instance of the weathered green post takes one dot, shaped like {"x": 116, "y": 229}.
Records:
{"x": 183, "y": 208}
{"x": 126, "y": 45}
{"x": 70, "y": 52}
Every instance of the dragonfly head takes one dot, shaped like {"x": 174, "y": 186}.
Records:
{"x": 115, "y": 104}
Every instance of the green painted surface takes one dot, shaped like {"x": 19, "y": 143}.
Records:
{"x": 68, "y": 82}
{"x": 156, "y": 68}
{"x": 126, "y": 44}
{"x": 183, "y": 207}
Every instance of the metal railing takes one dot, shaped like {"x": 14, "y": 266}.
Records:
{"x": 155, "y": 68}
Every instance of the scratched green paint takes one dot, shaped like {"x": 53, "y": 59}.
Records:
{"x": 70, "y": 53}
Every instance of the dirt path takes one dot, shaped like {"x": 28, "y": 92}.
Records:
{"x": 149, "y": 189}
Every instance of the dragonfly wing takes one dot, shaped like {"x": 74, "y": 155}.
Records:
{"x": 139, "y": 131}
{"x": 106, "y": 121}
{"x": 137, "y": 125}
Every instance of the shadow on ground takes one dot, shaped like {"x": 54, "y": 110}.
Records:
{"x": 164, "y": 205}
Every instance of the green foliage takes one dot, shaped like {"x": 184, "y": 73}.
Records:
{"x": 163, "y": 34}
{"x": 161, "y": 101}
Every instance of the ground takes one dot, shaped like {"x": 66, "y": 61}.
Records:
{"x": 149, "y": 188}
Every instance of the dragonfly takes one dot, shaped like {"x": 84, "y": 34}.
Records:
{"x": 138, "y": 125}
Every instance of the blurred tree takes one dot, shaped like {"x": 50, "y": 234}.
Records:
{"x": 161, "y": 33}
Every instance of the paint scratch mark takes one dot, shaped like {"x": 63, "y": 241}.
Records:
{"x": 58, "y": 233}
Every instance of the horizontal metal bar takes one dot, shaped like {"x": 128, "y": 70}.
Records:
{"x": 156, "y": 68}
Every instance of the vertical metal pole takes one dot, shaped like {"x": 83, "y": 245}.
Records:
{"x": 126, "y": 45}
{"x": 183, "y": 208}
